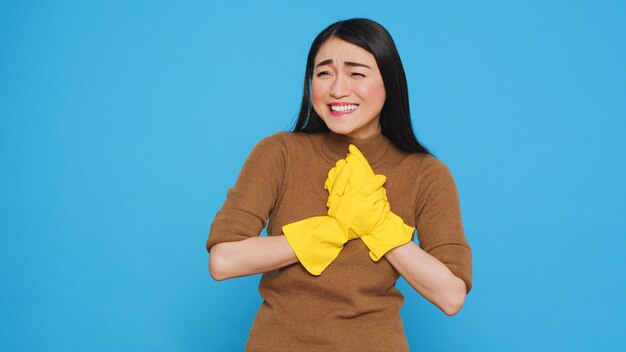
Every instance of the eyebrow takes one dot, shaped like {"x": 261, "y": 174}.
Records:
{"x": 347, "y": 63}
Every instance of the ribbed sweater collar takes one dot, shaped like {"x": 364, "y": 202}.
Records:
{"x": 374, "y": 148}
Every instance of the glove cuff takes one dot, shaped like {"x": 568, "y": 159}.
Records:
{"x": 316, "y": 241}
{"x": 391, "y": 233}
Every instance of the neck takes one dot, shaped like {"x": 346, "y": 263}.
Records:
{"x": 373, "y": 147}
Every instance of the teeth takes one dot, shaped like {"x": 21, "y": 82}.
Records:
{"x": 343, "y": 108}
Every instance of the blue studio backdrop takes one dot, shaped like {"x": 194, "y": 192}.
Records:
{"x": 122, "y": 125}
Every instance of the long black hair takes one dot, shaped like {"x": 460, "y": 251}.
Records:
{"x": 395, "y": 118}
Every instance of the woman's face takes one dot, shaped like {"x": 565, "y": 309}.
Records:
{"x": 348, "y": 92}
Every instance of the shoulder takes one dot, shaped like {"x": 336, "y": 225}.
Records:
{"x": 276, "y": 140}
{"x": 284, "y": 138}
{"x": 431, "y": 166}
{"x": 269, "y": 152}
{"x": 435, "y": 181}
{"x": 272, "y": 146}
{"x": 420, "y": 164}
{"x": 284, "y": 146}
{"x": 299, "y": 137}
{"x": 293, "y": 142}
{"x": 429, "y": 174}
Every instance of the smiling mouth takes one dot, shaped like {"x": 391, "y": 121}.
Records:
{"x": 343, "y": 109}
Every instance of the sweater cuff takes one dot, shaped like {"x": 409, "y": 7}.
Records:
{"x": 458, "y": 258}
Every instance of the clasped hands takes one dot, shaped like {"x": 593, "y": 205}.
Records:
{"x": 357, "y": 208}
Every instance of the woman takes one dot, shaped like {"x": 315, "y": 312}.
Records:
{"x": 333, "y": 255}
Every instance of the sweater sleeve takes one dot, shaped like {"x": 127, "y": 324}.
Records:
{"x": 438, "y": 220}
{"x": 249, "y": 202}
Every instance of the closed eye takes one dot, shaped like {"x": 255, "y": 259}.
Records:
{"x": 356, "y": 74}
{"x": 323, "y": 73}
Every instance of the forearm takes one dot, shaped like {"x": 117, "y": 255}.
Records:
{"x": 250, "y": 256}
{"x": 428, "y": 276}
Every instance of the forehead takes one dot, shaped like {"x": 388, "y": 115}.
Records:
{"x": 339, "y": 50}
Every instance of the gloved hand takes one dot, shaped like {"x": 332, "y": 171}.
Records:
{"x": 357, "y": 208}
{"x": 390, "y": 231}
{"x": 317, "y": 241}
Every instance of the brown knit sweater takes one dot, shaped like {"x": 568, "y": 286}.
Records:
{"x": 353, "y": 305}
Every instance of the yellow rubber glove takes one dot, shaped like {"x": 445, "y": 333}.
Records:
{"x": 390, "y": 231}
{"x": 318, "y": 240}
{"x": 356, "y": 208}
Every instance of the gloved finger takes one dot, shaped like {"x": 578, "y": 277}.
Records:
{"x": 333, "y": 172}
{"x": 340, "y": 183}
{"x": 373, "y": 183}
{"x": 379, "y": 211}
{"x": 380, "y": 206}
{"x": 339, "y": 186}
{"x": 359, "y": 174}
{"x": 383, "y": 203}
{"x": 361, "y": 169}
{"x": 385, "y": 208}
{"x": 378, "y": 195}
{"x": 331, "y": 200}
{"x": 356, "y": 155}
{"x": 380, "y": 200}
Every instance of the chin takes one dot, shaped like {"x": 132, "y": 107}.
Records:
{"x": 338, "y": 127}
{"x": 340, "y": 130}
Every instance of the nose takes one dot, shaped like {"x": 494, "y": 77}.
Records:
{"x": 340, "y": 87}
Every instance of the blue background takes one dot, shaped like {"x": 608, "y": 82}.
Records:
{"x": 123, "y": 125}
